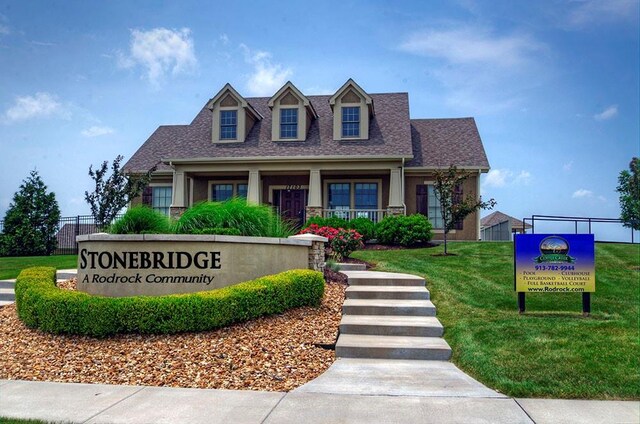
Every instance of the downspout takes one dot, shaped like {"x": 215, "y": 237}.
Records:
{"x": 404, "y": 205}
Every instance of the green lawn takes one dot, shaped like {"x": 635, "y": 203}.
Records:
{"x": 551, "y": 350}
{"x": 10, "y": 267}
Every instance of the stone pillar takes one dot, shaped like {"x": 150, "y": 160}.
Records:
{"x": 253, "y": 189}
{"x": 175, "y": 212}
{"x": 395, "y": 210}
{"x": 396, "y": 196}
{"x": 316, "y": 250}
{"x": 313, "y": 211}
{"x": 178, "y": 199}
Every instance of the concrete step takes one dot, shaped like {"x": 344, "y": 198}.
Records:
{"x": 369, "y": 278}
{"x": 387, "y": 292}
{"x": 6, "y": 302}
{"x": 7, "y": 284}
{"x": 351, "y": 267}
{"x": 388, "y": 307}
{"x": 392, "y": 347}
{"x": 391, "y": 325}
{"x": 66, "y": 274}
{"x": 7, "y": 294}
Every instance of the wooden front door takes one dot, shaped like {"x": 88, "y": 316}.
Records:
{"x": 292, "y": 205}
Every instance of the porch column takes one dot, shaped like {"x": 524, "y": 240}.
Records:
{"x": 178, "y": 201}
{"x": 396, "y": 196}
{"x": 314, "y": 203}
{"x": 253, "y": 191}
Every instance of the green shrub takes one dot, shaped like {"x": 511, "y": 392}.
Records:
{"x": 404, "y": 230}
{"x": 42, "y": 305}
{"x": 141, "y": 220}
{"x": 364, "y": 226}
{"x": 248, "y": 219}
{"x": 218, "y": 231}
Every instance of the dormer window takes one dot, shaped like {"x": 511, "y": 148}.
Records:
{"x": 291, "y": 114}
{"x": 288, "y": 123}
{"x": 351, "y": 122}
{"x": 228, "y": 124}
{"x": 352, "y": 112}
{"x": 232, "y": 116}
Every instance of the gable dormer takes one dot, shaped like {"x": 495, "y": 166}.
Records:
{"x": 232, "y": 116}
{"x": 291, "y": 114}
{"x": 352, "y": 109}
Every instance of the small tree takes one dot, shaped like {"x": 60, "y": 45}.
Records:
{"x": 453, "y": 207}
{"x": 31, "y": 222}
{"x": 629, "y": 189}
{"x": 112, "y": 193}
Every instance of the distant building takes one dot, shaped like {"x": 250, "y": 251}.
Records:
{"x": 499, "y": 226}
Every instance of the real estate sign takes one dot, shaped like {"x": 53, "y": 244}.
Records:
{"x": 554, "y": 263}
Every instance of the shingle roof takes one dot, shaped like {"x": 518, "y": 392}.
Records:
{"x": 389, "y": 135}
{"x": 497, "y": 217}
{"x": 445, "y": 142}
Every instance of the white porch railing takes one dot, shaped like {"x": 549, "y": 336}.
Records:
{"x": 375, "y": 215}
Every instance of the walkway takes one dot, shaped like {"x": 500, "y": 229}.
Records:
{"x": 7, "y": 287}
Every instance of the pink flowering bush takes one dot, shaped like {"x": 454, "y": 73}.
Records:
{"x": 341, "y": 243}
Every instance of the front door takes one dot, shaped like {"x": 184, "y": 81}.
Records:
{"x": 292, "y": 205}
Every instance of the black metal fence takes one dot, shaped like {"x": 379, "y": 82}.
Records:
{"x": 69, "y": 227}
{"x": 586, "y": 225}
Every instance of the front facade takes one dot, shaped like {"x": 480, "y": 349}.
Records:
{"x": 352, "y": 154}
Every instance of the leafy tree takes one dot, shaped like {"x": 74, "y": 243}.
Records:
{"x": 453, "y": 207}
{"x": 31, "y": 222}
{"x": 629, "y": 189}
{"x": 113, "y": 192}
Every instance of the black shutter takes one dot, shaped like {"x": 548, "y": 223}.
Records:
{"x": 147, "y": 196}
{"x": 457, "y": 198}
{"x": 422, "y": 194}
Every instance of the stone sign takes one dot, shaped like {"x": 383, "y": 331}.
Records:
{"x": 154, "y": 265}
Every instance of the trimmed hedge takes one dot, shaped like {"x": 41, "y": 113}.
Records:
{"x": 404, "y": 230}
{"x": 42, "y": 305}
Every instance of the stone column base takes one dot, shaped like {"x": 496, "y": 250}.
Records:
{"x": 395, "y": 210}
{"x": 313, "y": 211}
{"x": 175, "y": 212}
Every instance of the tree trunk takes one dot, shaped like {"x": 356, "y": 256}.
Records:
{"x": 445, "y": 242}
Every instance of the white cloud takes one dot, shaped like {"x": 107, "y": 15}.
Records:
{"x": 160, "y": 51}
{"x": 224, "y": 39}
{"x": 472, "y": 45}
{"x": 590, "y": 12}
{"x": 504, "y": 177}
{"x": 523, "y": 178}
{"x": 96, "y": 131}
{"x": 606, "y": 114}
{"x": 582, "y": 193}
{"x": 40, "y": 105}
{"x": 567, "y": 166}
{"x": 267, "y": 77}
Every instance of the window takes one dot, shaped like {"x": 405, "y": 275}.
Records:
{"x": 288, "y": 123}
{"x": 434, "y": 211}
{"x": 340, "y": 196}
{"x": 221, "y": 192}
{"x": 366, "y": 196}
{"x": 351, "y": 121}
{"x": 242, "y": 190}
{"x": 161, "y": 199}
{"x": 228, "y": 124}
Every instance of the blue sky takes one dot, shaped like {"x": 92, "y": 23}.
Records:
{"x": 553, "y": 85}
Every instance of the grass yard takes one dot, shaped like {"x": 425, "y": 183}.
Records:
{"x": 552, "y": 350}
{"x": 10, "y": 267}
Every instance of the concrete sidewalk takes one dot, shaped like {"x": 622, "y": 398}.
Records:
{"x": 98, "y": 403}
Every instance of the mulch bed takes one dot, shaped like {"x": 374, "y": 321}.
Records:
{"x": 276, "y": 353}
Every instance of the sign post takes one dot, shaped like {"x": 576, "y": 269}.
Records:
{"x": 550, "y": 263}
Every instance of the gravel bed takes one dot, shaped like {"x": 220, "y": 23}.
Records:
{"x": 276, "y": 353}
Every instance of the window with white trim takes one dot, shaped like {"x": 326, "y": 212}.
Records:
{"x": 228, "y": 124}
{"x": 351, "y": 121}
{"x": 161, "y": 197}
{"x": 225, "y": 191}
{"x": 289, "y": 123}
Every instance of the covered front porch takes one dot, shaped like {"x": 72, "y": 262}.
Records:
{"x": 296, "y": 190}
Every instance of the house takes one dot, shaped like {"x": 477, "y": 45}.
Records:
{"x": 350, "y": 154}
{"x": 499, "y": 226}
